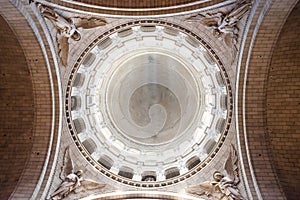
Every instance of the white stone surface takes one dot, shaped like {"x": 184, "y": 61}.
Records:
{"x": 150, "y": 101}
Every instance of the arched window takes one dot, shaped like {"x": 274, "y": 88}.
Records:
{"x": 79, "y": 79}
{"x": 88, "y": 61}
{"x": 126, "y": 172}
{"x": 79, "y": 125}
{"x": 90, "y": 145}
{"x": 75, "y": 102}
{"x": 172, "y": 172}
{"x": 149, "y": 176}
{"x": 106, "y": 162}
{"x": 220, "y": 125}
{"x": 192, "y": 162}
{"x": 209, "y": 146}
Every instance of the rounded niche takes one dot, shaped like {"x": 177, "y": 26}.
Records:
{"x": 148, "y": 103}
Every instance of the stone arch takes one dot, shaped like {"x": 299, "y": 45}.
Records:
{"x": 262, "y": 173}
{"x": 31, "y": 114}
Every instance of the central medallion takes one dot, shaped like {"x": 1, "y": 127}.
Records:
{"x": 152, "y": 97}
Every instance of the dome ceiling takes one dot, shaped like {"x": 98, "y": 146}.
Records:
{"x": 134, "y": 99}
{"x": 148, "y": 103}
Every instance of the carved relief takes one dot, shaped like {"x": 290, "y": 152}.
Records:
{"x": 224, "y": 184}
{"x": 72, "y": 180}
{"x": 224, "y": 24}
{"x": 68, "y": 28}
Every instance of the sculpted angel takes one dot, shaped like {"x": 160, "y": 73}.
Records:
{"x": 224, "y": 184}
{"x": 72, "y": 180}
{"x": 68, "y": 28}
{"x": 224, "y": 24}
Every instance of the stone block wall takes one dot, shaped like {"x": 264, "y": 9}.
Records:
{"x": 16, "y": 108}
{"x": 259, "y": 86}
{"x": 26, "y": 103}
{"x": 283, "y": 105}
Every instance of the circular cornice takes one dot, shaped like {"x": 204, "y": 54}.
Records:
{"x": 137, "y": 195}
{"x": 96, "y": 131}
{"x": 136, "y": 8}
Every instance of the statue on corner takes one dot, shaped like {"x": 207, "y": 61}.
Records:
{"x": 224, "y": 24}
{"x": 72, "y": 181}
{"x": 68, "y": 28}
{"x": 224, "y": 184}
{"x": 69, "y": 184}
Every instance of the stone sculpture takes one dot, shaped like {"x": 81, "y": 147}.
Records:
{"x": 224, "y": 184}
{"x": 224, "y": 24}
{"x": 72, "y": 181}
{"x": 68, "y": 28}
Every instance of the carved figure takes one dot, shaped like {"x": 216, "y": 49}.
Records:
{"x": 224, "y": 185}
{"x": 224, "y": 24}
{"x": 68, "y": 28}
{"x": 72, "y": 181}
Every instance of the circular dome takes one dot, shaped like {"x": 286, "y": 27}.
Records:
{"x": 152, "y": 98}
{"x": 148, "y": 104}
